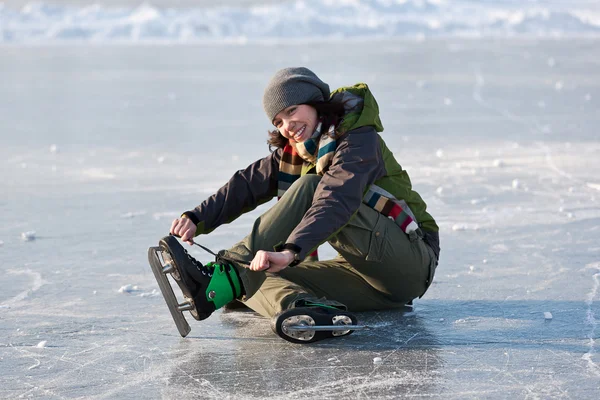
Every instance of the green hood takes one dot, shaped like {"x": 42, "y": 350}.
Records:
{"x": 361, "y": 105}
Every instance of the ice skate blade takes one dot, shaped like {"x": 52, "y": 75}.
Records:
{"x": 167, "y": 291}
{"x": 329, "y": 328}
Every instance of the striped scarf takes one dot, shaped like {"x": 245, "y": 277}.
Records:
{"x": 317, "y": 152}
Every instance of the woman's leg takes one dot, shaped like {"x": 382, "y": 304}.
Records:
{"x": 380, "y": 266}
{"x": 270, "y": 293}
{"x": 398, "y": 266}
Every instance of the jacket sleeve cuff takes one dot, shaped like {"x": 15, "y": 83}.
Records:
{"x": 192, "y": 217}
{"x": 294, "y": 249}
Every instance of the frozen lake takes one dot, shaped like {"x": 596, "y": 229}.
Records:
{"x": 102, "y": 146}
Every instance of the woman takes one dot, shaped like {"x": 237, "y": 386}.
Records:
{"x": 338, "y": 183}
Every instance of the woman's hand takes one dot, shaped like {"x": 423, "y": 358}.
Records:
{"x": 184, "y": 228}
{"x": 271, "y": 261}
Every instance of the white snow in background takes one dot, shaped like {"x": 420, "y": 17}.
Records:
{"x": 298, "y": 20}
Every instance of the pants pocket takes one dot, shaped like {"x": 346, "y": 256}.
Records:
{"x": 377, "y": 240}
{"x": 363, "y": 237}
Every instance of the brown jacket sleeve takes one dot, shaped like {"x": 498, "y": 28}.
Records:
{"x": 356, "y": 165}
{"x": 246, "y": 190}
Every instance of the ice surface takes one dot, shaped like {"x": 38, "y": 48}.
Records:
{"x": 477, "y": 333}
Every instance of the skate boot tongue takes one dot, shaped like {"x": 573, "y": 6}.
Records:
{"x": 225, "y": 284}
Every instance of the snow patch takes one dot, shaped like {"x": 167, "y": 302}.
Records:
{"x": 97, "y": 173}
{"x": 28, "y": 236}
{"x": 595, "y": 186}
{"x": 153, "y": 293}
{"x": 464, "y": 227}
{"x": 559, "y": 85}
{"x": 38, "y": 22}
{"x": 166, "y": 214}
{"x": 133, "y": 214}
{"x": 129, "y": 288}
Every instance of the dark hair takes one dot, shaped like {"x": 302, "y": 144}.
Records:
{"x": 329, "y": 112}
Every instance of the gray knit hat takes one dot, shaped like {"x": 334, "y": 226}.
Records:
{"x": 290, "y": 86}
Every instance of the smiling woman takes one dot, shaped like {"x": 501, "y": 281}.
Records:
{"x": 337, "y": 182}
{"x": 328, "y": 112}
{"x": 296, "y": 123}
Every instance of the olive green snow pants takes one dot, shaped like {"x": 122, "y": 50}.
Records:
{"x": 378, "y": 265}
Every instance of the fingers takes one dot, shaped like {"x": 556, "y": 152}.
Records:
{"x": 268, "y": 261}
{"x": 184, "y": 228}
{"x": 174, "y": 226}
{"x": 260, "y": 262}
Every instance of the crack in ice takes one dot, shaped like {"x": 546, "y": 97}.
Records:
{"x": 38, "y": 282}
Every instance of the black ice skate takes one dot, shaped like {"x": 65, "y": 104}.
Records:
{"x": 312, "y": 323}
{"x": 205, "y": 288}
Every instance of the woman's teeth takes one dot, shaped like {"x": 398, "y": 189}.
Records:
{"x": 300, "y": 132}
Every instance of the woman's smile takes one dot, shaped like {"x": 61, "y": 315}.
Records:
{"x": 296, "y": 122}
{"x": 298, "y": 135}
